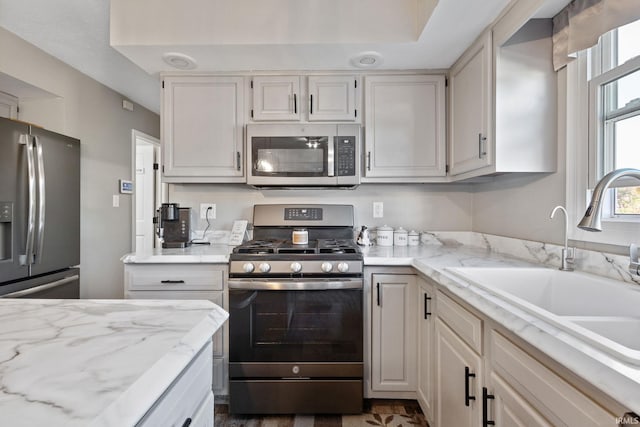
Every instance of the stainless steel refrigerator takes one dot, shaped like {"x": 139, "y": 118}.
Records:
{"x": 39, "y": 212}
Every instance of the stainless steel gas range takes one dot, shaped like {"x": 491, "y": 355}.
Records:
{"x": 296, "y": 321}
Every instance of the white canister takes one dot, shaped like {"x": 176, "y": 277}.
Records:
{"x": 384, "y": 236}
{"x": 414, "y": 238}
{"x": 300, "y": 236}
{"x": 400, "y": 237}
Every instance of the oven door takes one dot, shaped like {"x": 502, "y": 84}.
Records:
{"x": 297, "y": 321}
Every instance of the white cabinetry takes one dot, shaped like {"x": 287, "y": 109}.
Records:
{"x": 394, "y": 332}
{"x": 405, "y": 128}
{"x": 470, "y": 108}
{"x": 503, "y": 99}
{"x": 186, "y": 281}
{"x": 458, "y": 367}
{"x": 276, "y": 98}
{"x": 331, "y": 98}
{"x": 530, "y": 394}
{"x": 188, "y": 401}
{"x": 426, "y": 331}
{"x": 202, "y": 129}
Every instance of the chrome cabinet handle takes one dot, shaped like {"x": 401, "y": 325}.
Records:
{"x": 467, "y": 376}
{"x": 238, "y": 160}
{"x": 41, "y": 200}
{"x": 481, "y": 151}
{"x": 369, "y": 160}
{"x": 51, "y": 285}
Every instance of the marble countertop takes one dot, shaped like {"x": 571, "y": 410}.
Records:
{"x": 95, "y": 362}
{"x": 204, "y": 254}
{"x": 616, "y": 378}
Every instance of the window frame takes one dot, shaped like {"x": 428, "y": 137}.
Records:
{"x": 583, "y": 162}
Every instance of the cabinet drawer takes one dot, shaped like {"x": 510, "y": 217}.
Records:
{"x": 174, "y": 277}
{"x": 555, "y": 398}
{"x": 184, "y": 397}
{"x": 204, "y": 416}
{"x": 461, "y": 321}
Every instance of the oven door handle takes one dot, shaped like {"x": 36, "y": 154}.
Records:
{"x": 295, "y": 285}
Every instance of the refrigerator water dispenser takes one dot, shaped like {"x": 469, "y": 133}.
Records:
{"x": 6, "y": 220}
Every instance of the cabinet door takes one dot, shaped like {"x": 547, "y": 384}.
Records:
{"x": 405, "y": 126}
{"x": 332, "y": 98}
{"x": 394, "y": 332}
{"x": 276, "y": 98}
{"x": 512, "y": 410}
{"x": 202, "y": 124}
{"x": 426, "y": 343}
{"x": 470, "y": 109}
{"x": 458, "y": 380}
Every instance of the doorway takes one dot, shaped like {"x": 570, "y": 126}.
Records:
{"x": 148, "y": 191}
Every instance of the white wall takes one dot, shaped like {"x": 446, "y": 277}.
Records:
{"x": 517, "y": 205}
{"x": 85, "y": 109}
{"x": 412, "y": 206}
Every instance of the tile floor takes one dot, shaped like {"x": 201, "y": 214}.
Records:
{"x": 377, "y": 412}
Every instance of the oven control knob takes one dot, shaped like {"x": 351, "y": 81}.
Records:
{"x": 343, "y": 267}
{"x": 326, "y": 267}
{"x": 296, "y": 267}
{"x": 264, "y": 267}
{"x": 248, "y": 267}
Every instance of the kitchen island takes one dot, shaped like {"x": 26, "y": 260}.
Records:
{"x": 99, "y": 362}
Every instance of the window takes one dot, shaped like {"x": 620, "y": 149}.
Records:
{"x": 615, "y": 117}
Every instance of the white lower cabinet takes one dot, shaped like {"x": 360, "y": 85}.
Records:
{"x": 426, "y": 332}
{"x": 458, "y": 368}
{"x": 528, "y": 391}
{"x": 394, "y": 332}
{"x": 184, "y": 282}
{"x": 188, "y": 400}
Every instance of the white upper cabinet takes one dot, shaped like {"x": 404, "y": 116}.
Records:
{"x": 329, "y": 98}
{"x": 276, "y": 98}
{"x": 332, "y": 98}
{"x": 404, "y": 128}
{"x": 202, "y": 129}
{"x": 470, "y": 109}
{"x": 503, "y": 114}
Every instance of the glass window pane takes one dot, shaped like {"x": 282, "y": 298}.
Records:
{"x": 628, "y": 46}
{"x": 627, "y": 201}
{"x": 627, "y": 143}
{"x": 622, "y": 91}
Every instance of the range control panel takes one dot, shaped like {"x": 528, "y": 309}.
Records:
{"x": 303, "y": 214}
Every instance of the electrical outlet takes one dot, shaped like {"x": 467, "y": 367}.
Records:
{"x": 378, "y": 209}
{"x": 203, "y": 210}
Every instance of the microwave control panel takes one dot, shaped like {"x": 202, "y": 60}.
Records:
{"x": 345, "y": 155}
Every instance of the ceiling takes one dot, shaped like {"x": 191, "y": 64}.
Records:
{"x": 77, "y": 32}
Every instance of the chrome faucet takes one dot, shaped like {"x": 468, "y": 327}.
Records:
{"x": 566, "y": 262}
{"x": 592, "y": 220}
{"x": 593, "y": 216}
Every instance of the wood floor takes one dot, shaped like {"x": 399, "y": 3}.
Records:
{"x": 377, "y": 412}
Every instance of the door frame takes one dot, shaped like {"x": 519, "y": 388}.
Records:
{"x": 161, "y": 189}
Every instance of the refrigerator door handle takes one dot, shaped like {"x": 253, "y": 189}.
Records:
{"x": 27, "y": 258}
{"x": 41, "y": 200}
{"x": 46, "y": 286}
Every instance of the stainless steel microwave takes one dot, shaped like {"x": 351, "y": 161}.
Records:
{"x": 300, "y": 155}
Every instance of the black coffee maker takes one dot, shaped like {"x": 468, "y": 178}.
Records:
{"x": 173, "y": 225}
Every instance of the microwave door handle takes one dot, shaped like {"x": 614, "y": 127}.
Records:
{"x": 41, "y": 200}
{"x": 331, "y": 145}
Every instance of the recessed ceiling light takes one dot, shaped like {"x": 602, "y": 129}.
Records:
{"x": 367, "y": 60}
{"x": 179, "y": 61}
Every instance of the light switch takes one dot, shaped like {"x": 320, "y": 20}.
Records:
{"x": 378, "y": 209}
{"x": 116, "y": 201}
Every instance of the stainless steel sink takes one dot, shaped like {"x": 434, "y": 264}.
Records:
{"x": 602, "y": 311}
